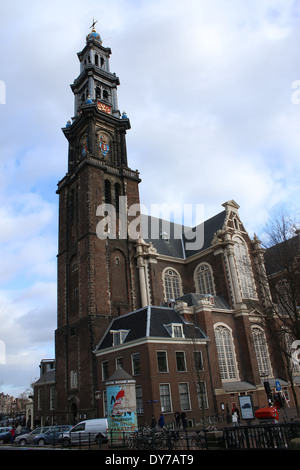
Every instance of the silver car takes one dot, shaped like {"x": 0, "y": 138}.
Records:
{"x": 29, "y": 438}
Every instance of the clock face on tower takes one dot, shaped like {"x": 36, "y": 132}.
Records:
{"x": 104, "y": 107}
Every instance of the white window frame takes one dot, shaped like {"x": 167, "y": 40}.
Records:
{"x": 167, "y": 362}
{"x": 207, "y": 279}
{"x": 119, "y": 336}
{"x": 163, "y": 398}
{"x": 184, "y": 397}
{"x": 134, "y": 371}
{"x": 244, "y": 268}
{"x": 226, "y": 353}
{"x": 261, "y": 351}
{"x": 184, "y": 361}
{"x": 171, "y": 290}
{"x": 173, "y": 328}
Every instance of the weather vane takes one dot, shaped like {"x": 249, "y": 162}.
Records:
{"x": 94, "y": 22}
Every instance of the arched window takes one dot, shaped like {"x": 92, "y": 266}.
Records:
{"x": 172, "y": 284}
{"x": 107, "y": 191}
{"x": 226, "y": 354}
{"x": 244, "y": 269}
{"x": 117, "y": 195}
{"x": 98, "y": 92}
{"x": 204, "y": 280}
{"x": 261, "y": 351}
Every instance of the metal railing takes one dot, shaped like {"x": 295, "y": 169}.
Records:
{"x": 261, "y": 436}
{"x": 253, "y": 437}
{"x": 158, "y": 439}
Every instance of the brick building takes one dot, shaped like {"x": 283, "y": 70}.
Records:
{"x": 141, "y": 293}
{"x": 43, "y": 412}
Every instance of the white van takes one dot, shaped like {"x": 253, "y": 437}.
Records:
{"x": 87, "y": 431}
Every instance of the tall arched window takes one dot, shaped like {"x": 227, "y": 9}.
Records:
{"x": 226, "y": 354}
{"x": 172, "y": 284}
{"x": 204, "y": 280}
{"x": 107, "y": 192}
{"x": 244, "y": 269}
{"x": 117, "y": 195}
{"x": 261, "y": 351}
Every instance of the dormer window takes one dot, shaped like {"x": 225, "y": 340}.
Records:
{"x": 165, "y": 236}
{"x": 119, "y": 336}
{"x": 175, "y": 330}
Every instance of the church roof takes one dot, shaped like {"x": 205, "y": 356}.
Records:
{"x": 47, "y": 378}
{"x": 149, "y": 322}
{"x": 172, "y": 239}
{"x": 120, "y": 374}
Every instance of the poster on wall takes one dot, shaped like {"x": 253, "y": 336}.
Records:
{"x": 246, "y": 407}
{"x": 121, "y": 407}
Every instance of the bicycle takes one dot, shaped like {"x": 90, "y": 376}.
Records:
{"x": 270, "y": 439}
{"x": 198, "y": 441}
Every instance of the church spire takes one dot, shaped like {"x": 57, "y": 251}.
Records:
{"x": 95, "y": 83}
{"x": 98, "y": 129}
{"x": 93, "y": 34}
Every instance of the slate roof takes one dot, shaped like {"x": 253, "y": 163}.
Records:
{"x": 149, "y": 322}
{"x": 48, "y": 377}
{"x": 179, "y": 235}
{"x": 210, "y": 227}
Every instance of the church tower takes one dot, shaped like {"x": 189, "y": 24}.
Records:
{"x": 97, "y": 271}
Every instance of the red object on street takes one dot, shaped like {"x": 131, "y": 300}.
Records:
{"x": 267, "y": 413}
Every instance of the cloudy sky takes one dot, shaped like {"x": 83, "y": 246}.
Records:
{"x": 210, "y": 87}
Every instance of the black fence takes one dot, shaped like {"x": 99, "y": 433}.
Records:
{"x": 158, "y": 439}
{"x": 262, "y": 436}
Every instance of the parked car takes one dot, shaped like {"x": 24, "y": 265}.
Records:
{"x": 90, "y": 430}
{"x": 29, "y": 437}
{"x": 51, "y": 436}
{"x": 5, "y": 434}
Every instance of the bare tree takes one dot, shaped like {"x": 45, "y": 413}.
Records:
{"x": 277, "y": 277}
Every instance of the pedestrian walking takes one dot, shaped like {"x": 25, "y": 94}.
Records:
{"x": 161, "y": 421}
{"x": 177, "y": 419}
